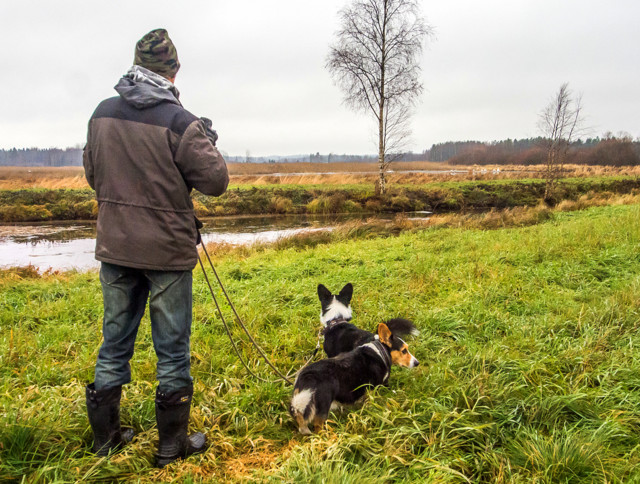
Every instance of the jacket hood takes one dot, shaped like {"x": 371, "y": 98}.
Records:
{"x": 142, "y": 88}
{"x": 141, "y": 95}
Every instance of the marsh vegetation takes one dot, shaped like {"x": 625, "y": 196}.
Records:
{"x": 34, "y": 198}
{"x": 529, "y": 349}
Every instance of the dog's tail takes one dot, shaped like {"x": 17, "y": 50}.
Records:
{"x": 302, "y": 409}
{"x": 402, "y": 327}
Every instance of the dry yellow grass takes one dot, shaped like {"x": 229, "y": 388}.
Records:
{"x": 598, "y": 200}
{"x": 404, "y": 173}
{"x": 522, "y": 216}
{"x": 12, "y": 178}
{"x": 270, "y": 168}
{"x": 597, "y": 170}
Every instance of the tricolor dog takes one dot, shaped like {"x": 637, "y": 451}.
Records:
{"x": 344, "y": 378}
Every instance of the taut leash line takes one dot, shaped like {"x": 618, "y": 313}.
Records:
{"x": 224, "y": 322}
{"x": 242, "y": 325}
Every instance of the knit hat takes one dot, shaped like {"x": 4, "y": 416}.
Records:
{"x": 156, "y": 52}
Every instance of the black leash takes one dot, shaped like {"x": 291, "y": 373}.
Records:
{"x": 242, "y": 325}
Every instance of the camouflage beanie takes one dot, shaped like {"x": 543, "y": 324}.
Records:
{"x": 156, "y": 52}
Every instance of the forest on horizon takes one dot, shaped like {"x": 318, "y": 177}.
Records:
{"x": 609, "y": 150}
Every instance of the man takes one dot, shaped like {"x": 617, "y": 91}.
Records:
{"x": 144, "y": 155}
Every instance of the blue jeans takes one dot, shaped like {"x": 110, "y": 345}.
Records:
{"x": 125, "y": 292}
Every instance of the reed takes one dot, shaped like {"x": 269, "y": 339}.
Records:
{"x": 265, "y": 174}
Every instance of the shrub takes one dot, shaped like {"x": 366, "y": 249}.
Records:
{"x": 349, "y": 206}
{"x": 85, "y": 210}
{"x": 478, "y": 197}
{"x": 451, "y": 204}
{"x": 373, "y": 205}
{"x": 400, "y": 203}
{"x": 441, "y": 198}
{"x": 321, "y": 204}
{"x": 24, "y": 213}
{"x": 94, "y": 209}
{"x": 279, "y": 204}
{"x": 60, "y": 210}
{"x": 336, "y": 201}
{"x": 200, "y": 209}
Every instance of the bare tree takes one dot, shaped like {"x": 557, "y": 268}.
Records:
{"x": 375, "y": 61}
{"x": 560, "y": 123}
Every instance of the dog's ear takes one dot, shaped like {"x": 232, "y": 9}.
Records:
{"x": 384, "y": 334}
{"x": 324, "y": 294}
{"x": 346, "y": 293}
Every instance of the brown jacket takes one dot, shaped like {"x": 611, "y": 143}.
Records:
{"x": 144, "y": 155}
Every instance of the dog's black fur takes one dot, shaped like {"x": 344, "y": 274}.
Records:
{"x": 346, "y": 337}
{"x": 340, "y": 336}
{"x": 342, "y": 379}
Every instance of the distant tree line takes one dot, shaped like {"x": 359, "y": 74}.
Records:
{"x": 41, "y": 157}
{"x": 310, "y": 158}
{"x": 329, "y": 158}
{"x": 610, "y": 150}
{"x": 620, "y": 150}
{"x": 73, "y": 157}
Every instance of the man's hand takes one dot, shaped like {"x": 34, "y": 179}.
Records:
{"x": 211, "y": 133}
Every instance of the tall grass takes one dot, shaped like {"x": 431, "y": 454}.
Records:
{"x": 15, "y": 178}
{"x": 260, "y": 174}
{"x": 529, "y": 351}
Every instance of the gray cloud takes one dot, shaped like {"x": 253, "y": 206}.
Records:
{"x": 257, "y": 69}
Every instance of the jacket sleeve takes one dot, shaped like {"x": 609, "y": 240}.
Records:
{"x": 87, "y": 160}
{"x": 200, "y": 163}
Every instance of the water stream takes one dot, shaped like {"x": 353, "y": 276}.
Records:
{"x": 71, "y": 245}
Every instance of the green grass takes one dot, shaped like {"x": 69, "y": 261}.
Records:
{"x": 529, "y": 350}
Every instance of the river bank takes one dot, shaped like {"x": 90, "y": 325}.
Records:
{"x": 41, "y": 204}
{"x": 70, "y": 245}
{"x": 61, "y": 246}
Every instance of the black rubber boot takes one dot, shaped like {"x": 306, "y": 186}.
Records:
{"x": 103, "y": 408}
{"x": 172, "y": 416}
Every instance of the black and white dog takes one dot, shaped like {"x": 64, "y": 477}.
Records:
{"x": 357, "y": 359}
{"x": 345, "y": 378}
{"x": 340, "y": 336}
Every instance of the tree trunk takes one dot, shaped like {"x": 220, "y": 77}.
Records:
{"x": 382, "y": 182}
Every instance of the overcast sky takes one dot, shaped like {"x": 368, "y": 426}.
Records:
{"x": 256, "y": 67}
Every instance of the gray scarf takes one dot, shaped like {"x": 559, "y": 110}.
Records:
{"x": 141, "y": 74}
{"x": 143, "y": 88}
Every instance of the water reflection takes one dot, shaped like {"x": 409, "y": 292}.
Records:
{"x": 65, "y": 246}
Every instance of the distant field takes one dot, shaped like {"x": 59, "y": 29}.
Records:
{"x": 270, "y": 168}
{"x": 12, "y": 178}
{"x": 241, "y": 173}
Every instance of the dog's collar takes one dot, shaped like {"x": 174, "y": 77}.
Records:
{"x": 333, "y": 323}
{"x": 382, "y": 350}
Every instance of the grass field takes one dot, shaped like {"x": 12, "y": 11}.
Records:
{"x": 14, "y": 178}
{"x": 529, "y": 350}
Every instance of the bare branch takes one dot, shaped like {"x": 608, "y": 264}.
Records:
{"x": 375, "y": 61}
{"x": 560, "y": 122}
